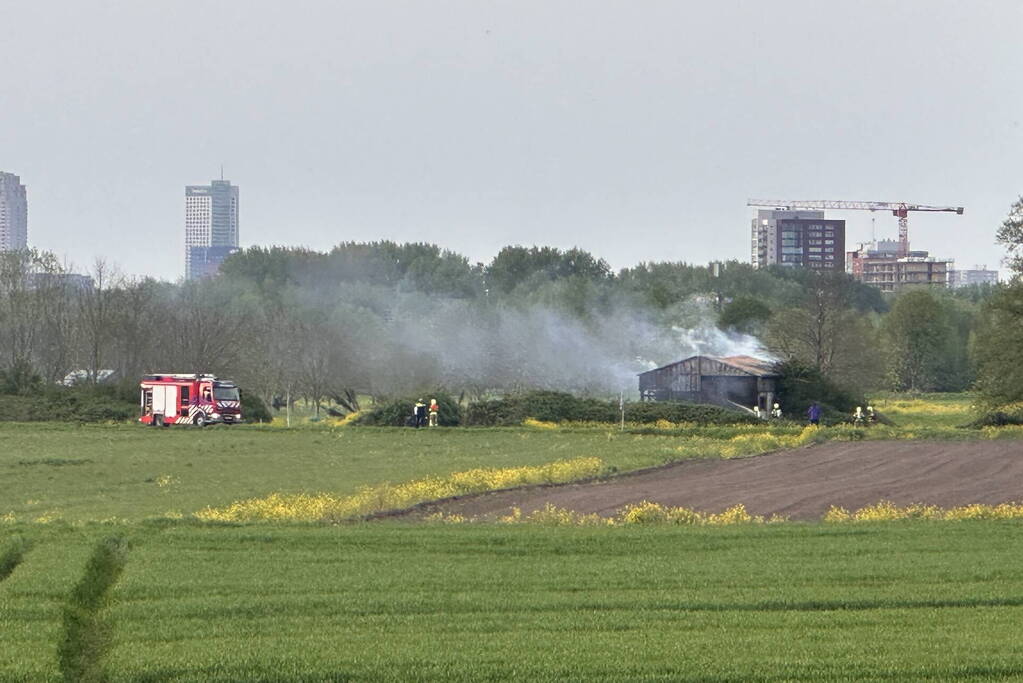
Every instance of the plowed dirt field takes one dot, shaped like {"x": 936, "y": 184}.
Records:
{"x": 799, "y": 484}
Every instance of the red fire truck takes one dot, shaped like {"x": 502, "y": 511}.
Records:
{"x": 188, "y": 399}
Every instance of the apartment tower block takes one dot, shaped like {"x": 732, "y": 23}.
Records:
{"x": 211, "y": 227}
{"x": 13, "y": 213}
{"x": 797, "y": 238}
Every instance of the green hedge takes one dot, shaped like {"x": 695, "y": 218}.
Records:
{"x": 253, "y": 408}
{"x": 65, "y": 406}
{"x": 998, "y": 417}
{"x": 554, "y": 406}
{"x": 396, "y": 412}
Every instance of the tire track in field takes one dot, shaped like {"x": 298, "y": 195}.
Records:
{"x": 12, "y": 556}
{"x": 87, "y": 632}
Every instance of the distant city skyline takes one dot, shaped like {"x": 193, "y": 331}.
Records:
{"x": 13, "y": 213}
{"x": 634, "y": 131}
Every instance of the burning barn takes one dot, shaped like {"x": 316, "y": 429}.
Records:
{"x": 731, "y": 381}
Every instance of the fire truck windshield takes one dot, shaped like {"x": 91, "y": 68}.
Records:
{"x": 225, "y": 393}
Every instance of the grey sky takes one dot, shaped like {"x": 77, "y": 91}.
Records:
{"x": 635, "y": 130}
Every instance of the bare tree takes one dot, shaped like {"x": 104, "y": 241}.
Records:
{"x": 96, "y": 317}
{"x": 135, "y": 319}
{"x": 54, "y": 294}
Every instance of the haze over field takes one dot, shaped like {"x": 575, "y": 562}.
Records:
{"x": 634, "y": 131}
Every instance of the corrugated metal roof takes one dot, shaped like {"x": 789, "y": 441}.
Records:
{"x": 748, "y": 364}
{"x": 754, "y": 366}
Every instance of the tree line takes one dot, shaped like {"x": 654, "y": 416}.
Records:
{"x": 385, "y": 319}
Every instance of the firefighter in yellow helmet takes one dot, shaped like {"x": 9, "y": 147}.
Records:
{"x": 434, "y": 409}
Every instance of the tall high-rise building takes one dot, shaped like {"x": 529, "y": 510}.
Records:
{"x": 13, "y": 213}
{"x": 211, "y": 226}
{"x": 797, "y": 238}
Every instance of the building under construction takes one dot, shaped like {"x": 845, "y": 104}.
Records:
{"x": 878, "y": 264}
{"x": 732, "y": 381}
{"x": 885, "y": 264}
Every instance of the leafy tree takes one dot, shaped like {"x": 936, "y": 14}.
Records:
{"x": 1010, "y": 235}
{"x": 827, "y": 332}
{"x": 515, "y": 267}
{"x": 920, "y": 341}
{"x": 812, "y": 332}
{"x": 744, "y": 314}
{"x": 999, "y": 337}
{"x": 800, "y": 384}
{"x": 999, "y": 347}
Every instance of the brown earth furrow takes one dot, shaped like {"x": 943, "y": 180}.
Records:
{"x": 800, "y": 484}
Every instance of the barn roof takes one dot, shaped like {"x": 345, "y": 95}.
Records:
{"x": 754, "y": 366}
{"x": 748, "y": 364}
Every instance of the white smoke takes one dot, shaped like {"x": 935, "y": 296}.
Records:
{"x": 487, "y": 349}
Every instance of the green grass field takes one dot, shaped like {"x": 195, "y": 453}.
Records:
{"x": 937, "y": 601}
{"x": 470, "y": 602}
{"x": 127, "y": 472}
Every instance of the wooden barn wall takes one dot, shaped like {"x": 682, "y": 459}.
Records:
{"x": 704, "y": 380}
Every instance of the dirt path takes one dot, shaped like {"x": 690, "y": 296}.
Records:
{"x": 800, "y": 484}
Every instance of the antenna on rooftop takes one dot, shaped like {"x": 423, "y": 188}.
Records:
{"x": 222, "y": 171}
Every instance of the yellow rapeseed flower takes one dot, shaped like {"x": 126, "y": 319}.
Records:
{"x": 301, "y": 507}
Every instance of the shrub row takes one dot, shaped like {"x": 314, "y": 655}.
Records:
{"x": 95, "y": 404}
{"x": 554, "y": 406}
{"x": 1010, "y": 414}
{"x": 65, "y": 406}
{"x": 549, "y": 406}
{"x": 396, "y": 412}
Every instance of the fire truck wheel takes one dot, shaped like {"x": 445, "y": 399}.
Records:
{"x": 199, "y": 420}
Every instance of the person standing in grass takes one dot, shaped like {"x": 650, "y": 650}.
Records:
{"x": 814, "y": 413}
{"x": 419, "y": 412}
{"x": 434, "y": 409}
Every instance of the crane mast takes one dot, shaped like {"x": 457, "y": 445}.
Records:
{"x": 899, "y": 209}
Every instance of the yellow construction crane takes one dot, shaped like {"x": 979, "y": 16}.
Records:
{"x": 899, "y": 209}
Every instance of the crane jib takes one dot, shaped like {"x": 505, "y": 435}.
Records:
{"x": 788, "y": 204}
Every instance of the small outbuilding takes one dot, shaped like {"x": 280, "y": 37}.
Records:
{"x": 729, "y": 381}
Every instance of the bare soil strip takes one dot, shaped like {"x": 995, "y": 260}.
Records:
{"x": 799, "y": 484}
